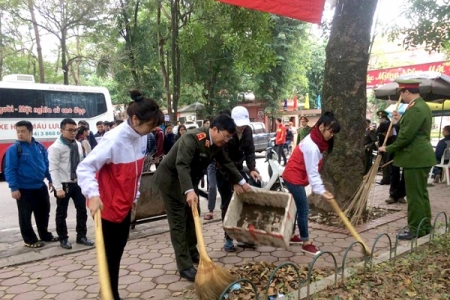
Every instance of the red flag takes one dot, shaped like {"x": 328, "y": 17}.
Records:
{"x": 295, "y": 102}
{"x": 303, "y": 10}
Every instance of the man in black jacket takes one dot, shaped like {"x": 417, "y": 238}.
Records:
{"x": 239, "y": 148}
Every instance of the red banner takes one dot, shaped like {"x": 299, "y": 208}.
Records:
{"x": 379, "y": 77}
{"x": 303, "y": 10}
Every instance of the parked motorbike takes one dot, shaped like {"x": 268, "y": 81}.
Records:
{"x": 275, "y": 170}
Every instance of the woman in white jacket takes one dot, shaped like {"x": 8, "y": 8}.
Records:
{"x": 303, "y": 169}
{"x": 109, "y": 177}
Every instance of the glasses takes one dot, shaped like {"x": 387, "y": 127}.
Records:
{"x": 226, "y": 138}
{"x": 71, "y": 130}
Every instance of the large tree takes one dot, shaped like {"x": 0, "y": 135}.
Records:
{"x": 218, "y": 46}
{"x": 344, "y": 93}
{"x": 61, "y": 19}
{"x": 428, "y": 25}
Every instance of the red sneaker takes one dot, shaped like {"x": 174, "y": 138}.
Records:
{"x": 310, "y": 249}
{"x": 296, "y": 240}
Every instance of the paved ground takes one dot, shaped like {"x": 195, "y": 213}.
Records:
{"x": 148, "y": 269}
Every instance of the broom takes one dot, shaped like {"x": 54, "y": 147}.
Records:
{"x": 358, "y": 203}
{"x": 211, "y": 280}
{"x": 349, "y": 225}
{"x": 103, "y": 273}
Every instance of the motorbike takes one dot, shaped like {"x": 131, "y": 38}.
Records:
{"x": 275, "y": 170}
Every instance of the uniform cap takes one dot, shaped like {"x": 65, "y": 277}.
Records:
{"x": 240, "y": 116}
{"x": 304, "y": 118}
{"x": 407, "y": 84}
{"x": 382, "y": 113}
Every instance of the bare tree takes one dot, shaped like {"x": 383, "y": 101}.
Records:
{"x": 38, "y": 42}
{"x": 61, "y": 18}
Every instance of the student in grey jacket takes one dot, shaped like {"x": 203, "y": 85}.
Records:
{"x": 64, "y": 156}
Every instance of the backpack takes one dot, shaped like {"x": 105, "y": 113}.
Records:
{"x": 19, "y": 148}
{"x": 289, "y": 135}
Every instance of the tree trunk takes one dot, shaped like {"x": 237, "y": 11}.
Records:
{"x": 38, "y": 42}
{"x": 176, "y": 74}
{"x": 127, "y": 36}
{"x": 1, "y": 43}
{"x": 64, "y": 66}
{"x": 165, "y": 68}
{"x": 344, "y": 93}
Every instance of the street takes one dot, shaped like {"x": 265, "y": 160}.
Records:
{"x": 11, "y": 240}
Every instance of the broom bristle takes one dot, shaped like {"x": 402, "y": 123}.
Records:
{"x": 358, "y": 203}
{"x": 211, "y": 280}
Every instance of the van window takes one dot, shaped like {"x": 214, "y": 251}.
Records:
{"x": 258, "y": 128}
{"x": 52, "y": 104}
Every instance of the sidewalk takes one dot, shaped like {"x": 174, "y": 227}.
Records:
{"x": 148, "y": 269}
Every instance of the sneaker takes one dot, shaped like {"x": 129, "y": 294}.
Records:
{"x": 391, "y": 200}
{"x": 229, "y": 246}
{"x": 209, "y": 216}
{"x": 310, "y": 249}
{"x": 296, "y": 240}
{"x": 401, "y": 200}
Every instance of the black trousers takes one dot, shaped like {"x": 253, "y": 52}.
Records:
{"x": 72, "y": 191}
{"x": 35, "y": 201}
{"x": 115, "y": 236}
{"x": 280, "y": 153}
{"x": 226, "y": 192}
{"x": 397, "y": 189}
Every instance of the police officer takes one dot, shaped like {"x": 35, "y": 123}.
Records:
{"x": 414, "y": 153}
{"x": 177, "y": 179}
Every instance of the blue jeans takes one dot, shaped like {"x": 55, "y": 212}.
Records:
{"x": 301, "y": 201}
{"x": 212, "y": 186}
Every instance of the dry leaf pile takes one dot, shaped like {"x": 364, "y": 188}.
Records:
{"x": 331, "y": 219}
{"x": 422, "y": 274}
{"x": 285, "y": 281}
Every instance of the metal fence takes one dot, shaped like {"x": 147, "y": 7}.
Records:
{"x": 368, "y": 262}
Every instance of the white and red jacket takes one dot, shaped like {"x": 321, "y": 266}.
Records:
{"x": 304, "y": 165}
{"x": 113, "y": 171}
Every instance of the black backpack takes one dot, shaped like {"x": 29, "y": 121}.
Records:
{"x": 289, "y": 135}
{"x": 19, "y": 148}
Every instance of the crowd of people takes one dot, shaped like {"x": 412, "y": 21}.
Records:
{"x": 102, "y": 171}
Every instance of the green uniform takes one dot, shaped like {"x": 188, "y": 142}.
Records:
{"x": 414, "y": 153}
{"x": 179, "y": 172}
{"x": 302, "y": 133}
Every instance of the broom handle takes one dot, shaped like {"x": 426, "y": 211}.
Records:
{"x": 391, "y": 123}
{"x": 349, "y": 225}
{"x": 199, "y": 234}
{"x": 103, "y": 273}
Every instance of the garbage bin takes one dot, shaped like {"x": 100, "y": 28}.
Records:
{"x": 150, "y": 206}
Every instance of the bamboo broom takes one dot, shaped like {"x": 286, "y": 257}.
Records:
{"x": 349, "y": 225}
{"x": 211, "y": 280}
{"x": 359, "y": 201}
{"x": 103, "y": 273}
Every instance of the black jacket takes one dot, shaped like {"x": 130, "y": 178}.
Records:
{"x": 240, "y": 150}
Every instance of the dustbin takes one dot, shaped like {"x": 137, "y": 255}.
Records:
{"x": 150, "y": 206}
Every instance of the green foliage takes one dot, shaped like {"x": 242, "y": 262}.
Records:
{"x": 290, "y": 44}
{"x": 429, "y": 25}
{"x": 220, "y": 45}
{"x": 316, "y": 69}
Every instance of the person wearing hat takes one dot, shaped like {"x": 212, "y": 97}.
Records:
{"x": 177, "y": 179}
{"x": 304, "y": 129}
{"x": 239, "y": 148}
{"x": 414, "y": 153}
{"x": 383, "y": 116}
